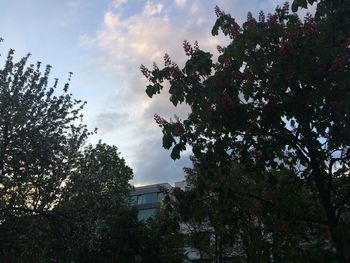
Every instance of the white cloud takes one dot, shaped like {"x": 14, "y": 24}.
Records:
{"x": 143, "y": 39}
{"x": 86, "y": 41}
{"x": 118, "y": 3}
{"x": 126, "y": 42}
{"x": 194, "y": 8}
{"x": 110, "y": 20}
{"x": 110, "y": 121}
{"x": 154, "y": 164}
{"x": 151, "y": 8}
{"x": 180, "y": 2}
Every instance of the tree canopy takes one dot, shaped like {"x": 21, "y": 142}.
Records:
{"x": 95, "y": 208}
{"x": 60, "y": 200}
{"x": 40, "y": 132}
{"x": 277, "y": 99}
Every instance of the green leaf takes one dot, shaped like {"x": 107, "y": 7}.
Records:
{"x": 298, "y": 3}
{"x": 174, "y": 100}
{"x": 168, "y": 140}
{"x": 150, "y": 91}
{"x": 196, "y": 150}
{"x": 292, "y": 123}
{"x": 175, "y": 153}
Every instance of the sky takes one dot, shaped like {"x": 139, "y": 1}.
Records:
{"x": 104, "y": 42}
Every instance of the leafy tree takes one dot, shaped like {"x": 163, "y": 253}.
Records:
{"x": 95, "y": 205}
{"x": 92, "y": 220}
{"x": 166, "y": 237}
{"x": 58, "y": 201}
{"x": 40, "y": 133}
{"x": 277, "y": 99}
{"x": 246, "y": 217}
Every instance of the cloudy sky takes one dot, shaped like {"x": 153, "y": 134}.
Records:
{"x": 104, "y": 42}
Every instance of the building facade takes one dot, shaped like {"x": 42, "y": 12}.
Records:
{"x": 147, "y": 199}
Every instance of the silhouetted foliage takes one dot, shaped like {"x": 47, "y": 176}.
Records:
{"x": 276, "y": 103}
{"x": 95, "y": 207}
{"x": 59, "y": 201}
{"x": 40, "y": 133}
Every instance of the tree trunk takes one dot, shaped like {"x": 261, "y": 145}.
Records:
{"x": 323, "y": 182}
{"x": 331, "y": 213}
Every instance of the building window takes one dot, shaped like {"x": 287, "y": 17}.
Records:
{"x": 146, "y": 214}
{"x": 133, "y": 200}
{"x": 147, "y": 198}
{"x": 160, "y": 197}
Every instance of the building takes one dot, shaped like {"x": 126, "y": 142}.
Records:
{"x": 183, "y": 185}
{"x": 147, "y": 199}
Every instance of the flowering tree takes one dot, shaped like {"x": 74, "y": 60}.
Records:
{"x": 40, "y": 133}
{"x": 249, "y": 215}
{"x": 277, "y": 99}
{"x": 58, "y": 202}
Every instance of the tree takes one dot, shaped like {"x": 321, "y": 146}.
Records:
{"x": 58, "y": 201}
{"x": 40, "y": 133}
{"x": 91, "y": 221}
{"x": 244, "y": 216}
{"x": 95, "y": 204}
{"x": 277, "y": 99}
{"x": 165, "y": 239}
{"x": 100, "y": 224}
